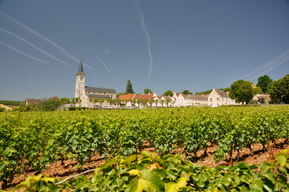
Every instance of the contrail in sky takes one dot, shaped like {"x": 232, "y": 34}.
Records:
{"x": 102, "y": 62}
{"x": 44, "y": 38}
{"x": 22, "y": 52}
{"x": 148, "y": 39}
{"x": 283, "y": 60}
{"x": 37, "y": 48}
{"x": 271, "y": 65}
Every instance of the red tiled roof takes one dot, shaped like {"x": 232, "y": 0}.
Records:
{"x": 127, "y": 96}
{"x": 145, "y": 96}
{"x": 166, "y": 97}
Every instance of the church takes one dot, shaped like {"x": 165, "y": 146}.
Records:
{"x": 86, "y": 92}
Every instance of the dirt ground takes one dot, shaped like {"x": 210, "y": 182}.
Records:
{"x": 59, "y": 171}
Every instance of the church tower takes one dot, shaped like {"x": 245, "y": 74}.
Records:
{"x": 80, "y": 86}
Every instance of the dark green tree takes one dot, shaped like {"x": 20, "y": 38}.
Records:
{"x": 147, "y": 90}
{"x": 129, "y": 87}
{"x": 280, "y": 89}
{"x": 48, "y": 105}
{"x": 263, "y": 82}
{"x": 64, "y": 100}
{"x": 168, "y": 93}
{"x": 187, "y": 92}
{"x": 269, "y": 87}
{"x": 245, "y": 92}
{"x": 257, "y": 90}
{"x": 234, "y": 89}
{"x": 241, "y": 91}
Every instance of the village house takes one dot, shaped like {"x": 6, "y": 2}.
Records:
{"x": 218, "y": 97}
{"x": 266, "y": 97}
{"x": 183, "y": 100}
{"x": 126, "y": 98}
{"x": 32, "y": 101}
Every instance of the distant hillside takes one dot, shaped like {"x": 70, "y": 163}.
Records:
{"x": 13, "y": 103}
{"x": 209, "y": 91}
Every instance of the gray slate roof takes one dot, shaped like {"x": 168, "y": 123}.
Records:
{"x": 99, "y": 89}
{"x": 221, "y": 93}
{"x": 98, "y": 96}
{"x": 80, "y": 69}
{"x": 205, "y": 97}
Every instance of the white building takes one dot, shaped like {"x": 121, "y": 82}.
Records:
{"x": 218, "y": 97}
{"x": 182, "y": 100}
{"x": 86, "y": 92}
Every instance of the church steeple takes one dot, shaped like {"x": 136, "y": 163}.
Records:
{"x": 80, "y": 69}
{"x": 80, "y": 86}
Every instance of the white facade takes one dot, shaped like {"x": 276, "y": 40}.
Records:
{"x": 182, "y": 100}
{"x": 219, "y": 97}
{"x": 80, "y": 87}
{"x": 86, "y": 92}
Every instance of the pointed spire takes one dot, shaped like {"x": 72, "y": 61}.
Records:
{"x": 80, "y": 69}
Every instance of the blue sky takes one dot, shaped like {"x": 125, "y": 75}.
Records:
{"x": 161, "y": 45}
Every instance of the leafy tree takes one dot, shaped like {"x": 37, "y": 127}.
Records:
{"x": 75, "y": 100}
{"x": 156, "y": 102}
{"x": 263, "y": 82}
{"x": 257, "y": 90}
{"x": 145, "y": 102}
{"x": 147, "y": 90}
{"x": 139, "y": 103}
{"x": 162, "y": 102}
{"x": 129, "y": 87}
{"x": 269, "y": 87}
{"x": 280, "y": 88}
{"x": 226, "y": 89}
{"x": 22, "y": 107}
{"x": 168, "y": 102}
{"x": 120, "y": 93}
{"x": 245, "y": 92}
{"x": 187, "y": 92}
{"x": 110, "y": 101}
{"x": 101, "y": 101}
{"x": 92, "y": 101}
{"x": 117, "y": 101}
{"x": 48, "y": 105}
{"x": 151, "y": 101}
{"x": 132, "y": 101}
{"x": 64, "y": 100}
{"x": 168, "y": 93}
{"x": 241, "y": 91}
{"x": 54, "y": 98}
{"x": 234, "y": 89}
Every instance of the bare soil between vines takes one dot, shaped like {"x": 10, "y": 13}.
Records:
{"x": 59, "y": 171}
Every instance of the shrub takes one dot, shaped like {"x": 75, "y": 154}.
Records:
{"x": 48, "y": 105}
{"x": 77, "y": 108}
{"x": 253, "y": 102}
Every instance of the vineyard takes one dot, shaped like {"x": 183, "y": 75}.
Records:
{"x": 34, "y": 140}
